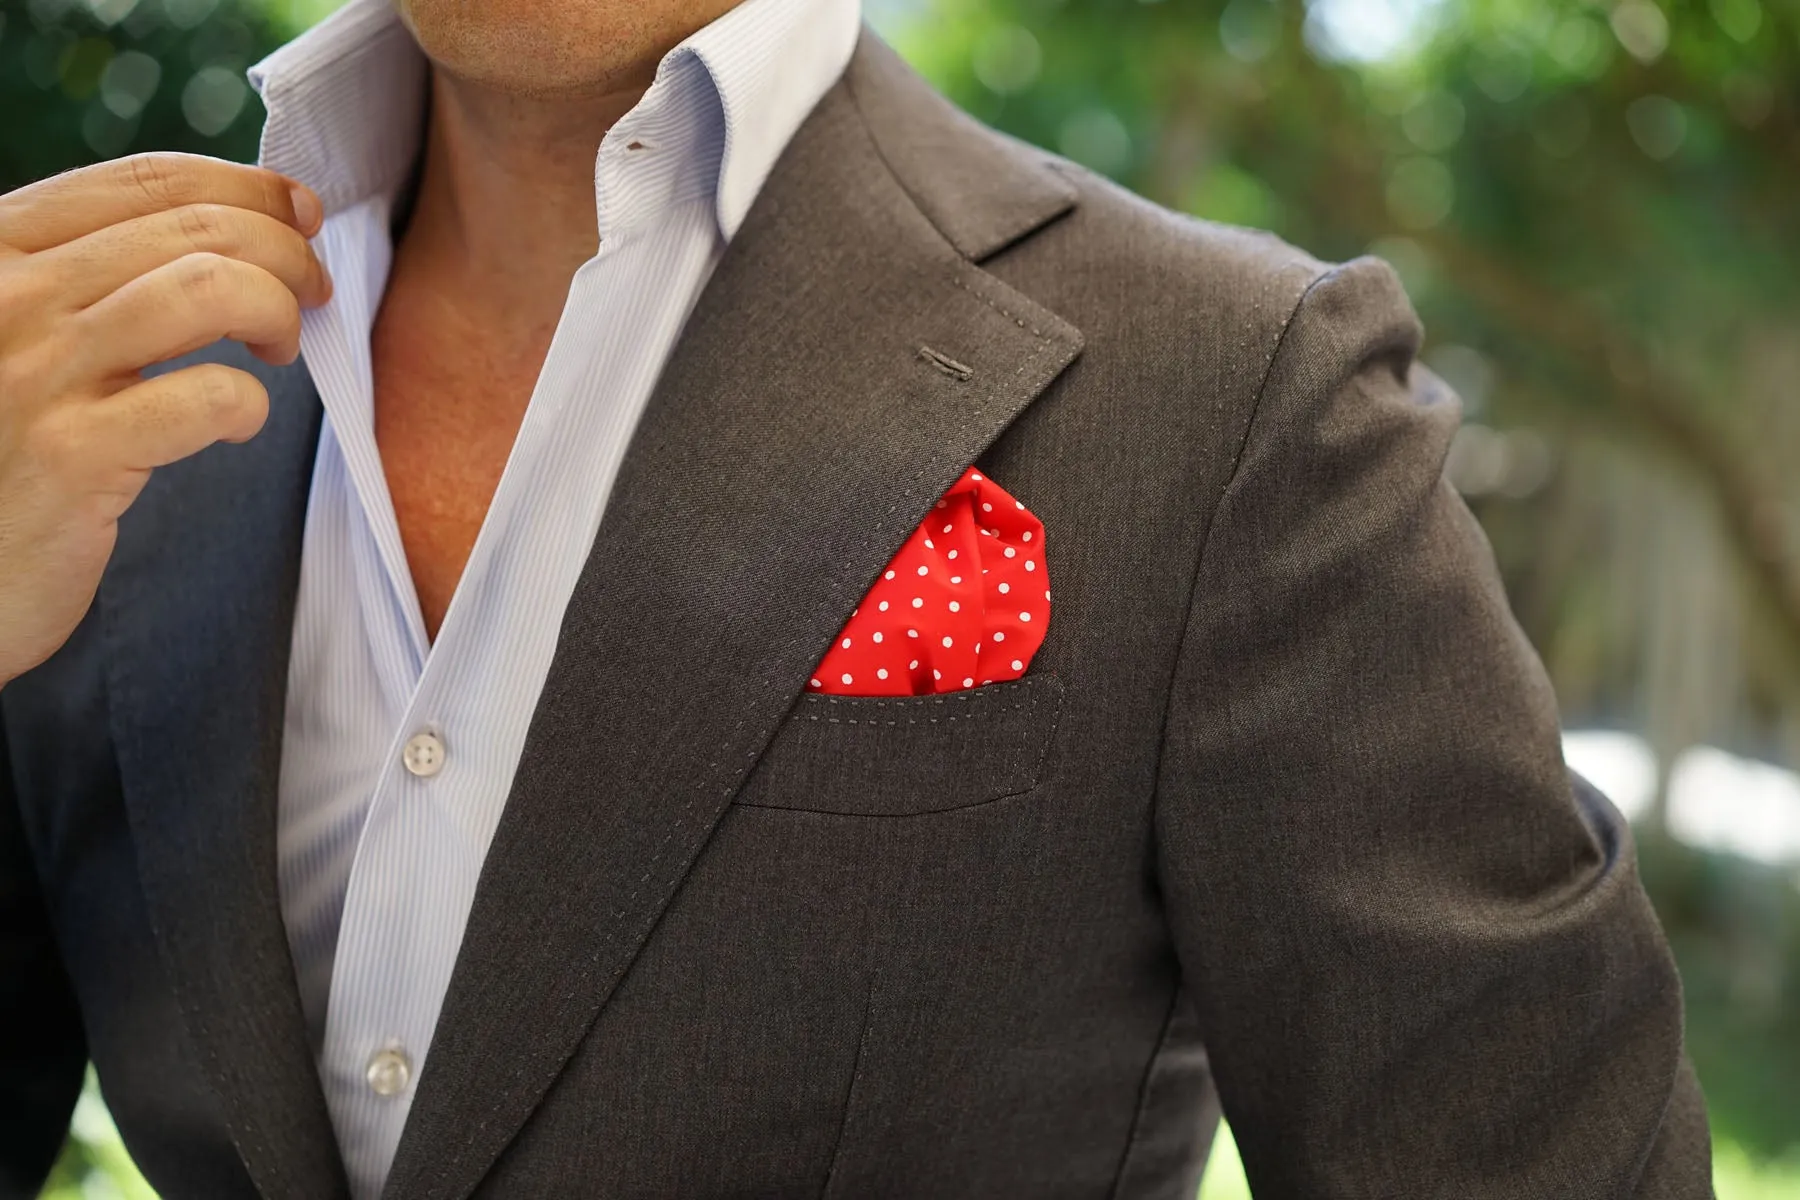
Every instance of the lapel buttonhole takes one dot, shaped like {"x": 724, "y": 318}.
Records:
{"x": 946, "y": 364}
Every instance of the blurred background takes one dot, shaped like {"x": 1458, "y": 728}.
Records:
{"x": 1596, "y": 209}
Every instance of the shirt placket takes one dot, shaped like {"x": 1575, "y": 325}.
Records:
{"x": 378, "y": 1021}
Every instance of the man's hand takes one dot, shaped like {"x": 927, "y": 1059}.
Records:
{"x": 104, "y": 271}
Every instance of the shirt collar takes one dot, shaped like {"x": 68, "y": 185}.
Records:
{"x": 346, "y": 99}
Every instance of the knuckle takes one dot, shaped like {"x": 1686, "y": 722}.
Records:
{"x": 205, "y": 226}
{"x": 235, "y": 402}
{"x": 202, "y": 277}
{"x": 215, "y": 387}
{"x": 158, "y": 178}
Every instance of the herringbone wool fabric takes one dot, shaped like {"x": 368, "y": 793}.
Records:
{"x": 1277, "y": 818}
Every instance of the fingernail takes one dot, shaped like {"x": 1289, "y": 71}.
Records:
{"x": 325, "y": 274}
{"x": 307, "y": 209}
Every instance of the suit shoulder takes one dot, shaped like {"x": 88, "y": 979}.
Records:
{"x": 1149, "y": 285}
{"x": 1013, "y": 207}
{"x": 1175, "y": 255}
{"x": 1252, "y": 250}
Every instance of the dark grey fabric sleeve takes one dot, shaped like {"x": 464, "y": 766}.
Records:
{"x": 1422, "y": 958}
{"x": 42, "y": 1049}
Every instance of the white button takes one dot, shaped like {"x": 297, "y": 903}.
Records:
{"x": 424, "y": 753}
{"x": 389, "y": 1071}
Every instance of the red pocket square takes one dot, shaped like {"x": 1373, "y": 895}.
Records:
{"x": 965, "y": 602}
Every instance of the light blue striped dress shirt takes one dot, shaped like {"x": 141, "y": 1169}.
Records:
{"x": 397, "y": 753}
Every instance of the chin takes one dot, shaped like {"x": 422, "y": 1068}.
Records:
{"x": 541, "y": 47}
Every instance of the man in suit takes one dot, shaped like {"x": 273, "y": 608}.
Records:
{"x": 410, "y": 782}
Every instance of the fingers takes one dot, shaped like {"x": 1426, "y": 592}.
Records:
{"x": 170, "y": 417}
{"x": 188, "y": 303}
{"x": 96, "y": 264}
{"x": 75, "y": 203}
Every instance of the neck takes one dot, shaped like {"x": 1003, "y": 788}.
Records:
{"x": 504, "y": 213}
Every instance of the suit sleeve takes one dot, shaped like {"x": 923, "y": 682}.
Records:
{"x": 1421, "y": 954}
{"x": 43, "y": 1051}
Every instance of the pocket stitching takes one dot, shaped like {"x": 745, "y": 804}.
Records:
{"x": 1036, "y": 774}
{"x": 974, "y": 696}
{"x": 974, "y": 716}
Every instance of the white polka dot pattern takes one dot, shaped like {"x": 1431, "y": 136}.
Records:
{"x": 951, "y": 619}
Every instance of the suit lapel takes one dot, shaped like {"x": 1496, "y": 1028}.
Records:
{"x": 796, "y": 438}
{"x": 197, "y": 605}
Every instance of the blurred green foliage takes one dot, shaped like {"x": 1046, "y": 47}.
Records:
{"x": 1596, "y": 208}
{"x": 1593, "y": 205}
{"x": 85, "y": 80}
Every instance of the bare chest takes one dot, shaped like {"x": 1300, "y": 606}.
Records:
{"x": 448, "y": 407}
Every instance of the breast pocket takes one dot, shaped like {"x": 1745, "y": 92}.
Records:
{"x": 908, "y": 755}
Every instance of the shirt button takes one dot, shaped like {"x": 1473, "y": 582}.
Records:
{"x": 389, "y": 1071}
{"x": 424, "y": 754}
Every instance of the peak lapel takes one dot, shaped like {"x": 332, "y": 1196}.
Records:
{"x": 795, "y": 440}
{"x": 197, "y": 606}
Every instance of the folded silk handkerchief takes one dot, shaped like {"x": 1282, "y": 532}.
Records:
{"x": 965, "y": 602}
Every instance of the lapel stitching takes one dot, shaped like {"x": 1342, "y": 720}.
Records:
{"x": 571, "y": 1000}
{"x": 734, "y": 546}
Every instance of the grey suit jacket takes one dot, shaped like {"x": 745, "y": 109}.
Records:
{"x": 1276, "y": 816}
